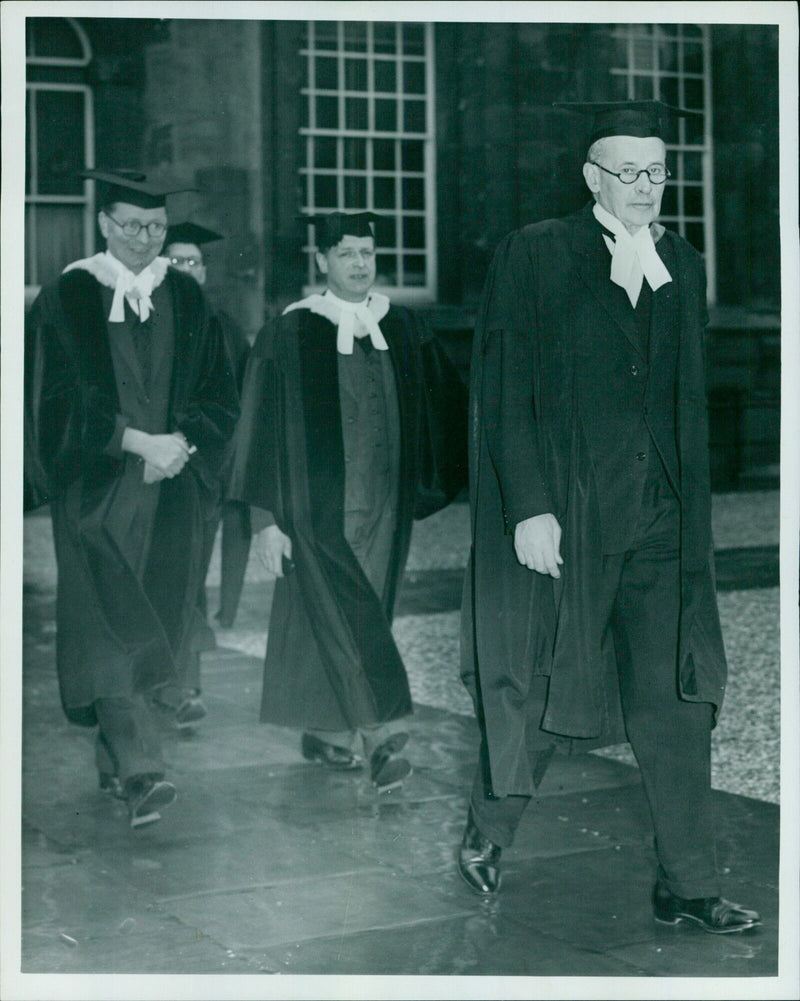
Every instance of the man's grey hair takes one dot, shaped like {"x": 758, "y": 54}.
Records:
{"x": 596, "y": 150}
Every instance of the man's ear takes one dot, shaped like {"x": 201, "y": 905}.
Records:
{"x": 102, "y": 222}
{"x": 592, "y": 177}
{"x": 322, "y": 262}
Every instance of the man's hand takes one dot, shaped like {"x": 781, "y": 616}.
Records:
{"x": 166, "y": 453}
{"x": 537, "y": 541}
{"x": 151, "y": 474}
{"x": 271, "y": 546}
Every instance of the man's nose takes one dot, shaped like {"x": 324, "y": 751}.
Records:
{"x": 643, "y": 182}
{"x": 142, "y": 236}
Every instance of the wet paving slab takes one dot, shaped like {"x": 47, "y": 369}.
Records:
{"x": 268, "y": 864}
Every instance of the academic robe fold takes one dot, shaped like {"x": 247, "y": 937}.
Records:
{"x": 340, "y": 668}
{"x": 136, "y": 616}
{"x": 532, "y": 650}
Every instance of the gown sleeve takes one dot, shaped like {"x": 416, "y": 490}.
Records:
{"x": 443, "y": 427}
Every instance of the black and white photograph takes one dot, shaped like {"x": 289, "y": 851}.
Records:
{"x": 400, "y": 500}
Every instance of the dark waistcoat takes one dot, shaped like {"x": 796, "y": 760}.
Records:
{"x": 625, "y": 387}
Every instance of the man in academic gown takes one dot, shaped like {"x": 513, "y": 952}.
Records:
{"x": 183, "y": 249}
{"x": 590, "y": 597}
{"x": 353, "y": 424}
{"x": 130, "y": 404}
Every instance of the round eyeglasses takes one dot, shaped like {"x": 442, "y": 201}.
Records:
{"x": 132, "y": 227}
{"x": 657, "y": 174}
{"x": 185, "y": 262}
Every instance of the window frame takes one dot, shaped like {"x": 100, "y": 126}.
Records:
{"x": 87, "y": 198}
{"x": 630, "y": 33}
{"x": 404, "y": 293}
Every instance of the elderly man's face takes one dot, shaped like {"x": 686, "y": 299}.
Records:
{"x": 187, "y": 257}
{"x": 637, "y": 204}
{"x": 135, "y": 252}
{"x": 349, "y": 267}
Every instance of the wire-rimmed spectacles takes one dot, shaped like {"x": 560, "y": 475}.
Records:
{"x": 132, "y": 227}
{"x": 656, "y": 174}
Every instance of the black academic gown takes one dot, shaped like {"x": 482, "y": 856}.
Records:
{"x": 290, "y": 462}
{"x": 139, "y": 614}
{"x": 532, "y": 654}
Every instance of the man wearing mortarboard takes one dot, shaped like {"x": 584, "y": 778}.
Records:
{"x": 353, "y": 424}
{"x": 183, "y": 249}
{"x": 130, "y": 404}
{"x": 591, "y": 611}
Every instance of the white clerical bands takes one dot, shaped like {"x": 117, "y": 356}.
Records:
{"x": 633, "y": 258}
{"x": 346, "y": 315}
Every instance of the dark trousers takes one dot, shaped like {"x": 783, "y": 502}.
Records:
{"x": 236, "y": 536}
{"x": 127, "y": 742}
{"x": 671, "y": 738}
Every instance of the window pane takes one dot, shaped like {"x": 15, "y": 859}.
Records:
{"x": 414, "y": 116}
{"x": 55, "y": 233}
{"x": 326, "y": 74}
{"x": 413, "y": 155}
{"x": 384, "y": 37}
{"x": 694, "y": 130}
{"x": 414, "y": 232}
{"x": 386, "y": 231}
{"x": 385, "y": 115}
{"x": 693, "y": 94}
{"x": 643, "y": 54}
{"x": 60, "y": 141}
{"x": 413, "y": 269}
{"x": 385, "y": 75}
{"x": 693, "y": 58}
{"x": 355, "y": 74}
{"x": 355, "y": 36}
{"x": 325, "y": 192}
{"x": 383, "y": 153}
{"x": 693, "y": 200}
{"x": 692, "y": 166}
{"x": 643, "y": 88}
{"x": 386, "y": 265}
{"x": 327, "y": 112}
{"x": 413, "y": 78}
{"x": 355, "y": 192}
{"x": 668, "y": 56}
{"x": 413, "y": 193}
{"x": 384, "y": 193}
{"x": 695, "y": 234}
{"x": 325, "y": 35}
{"x": 355, "y": 154}
{"x": 414, "y": 39}
{"x": 355, "y": 113}
{"x": 669, "y": 90}
{"x": 52, "y": 37}
{"x": 325, "y": 151}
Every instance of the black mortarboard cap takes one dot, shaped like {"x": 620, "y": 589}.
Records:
{"x": 191, "y": 232}
{"x": 132, "y": 187}
{"x": 332, "y": 226}
{"x": 643, "y": 119}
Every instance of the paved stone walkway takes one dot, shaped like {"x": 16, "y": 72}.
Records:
{"x": 266, "y": 864}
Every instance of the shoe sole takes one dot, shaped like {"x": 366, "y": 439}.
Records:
{"x": 160, "y": 796}
{"x": 671, "y": 922}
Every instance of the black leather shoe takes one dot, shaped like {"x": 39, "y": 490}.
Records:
{"x": 146, "y": 796}
{"x": 713, "y": 914}
{"x": 338, "y": 758}
{"x": 479, "y": 860}
{"x": 386, "y": 771}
